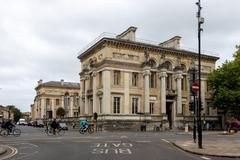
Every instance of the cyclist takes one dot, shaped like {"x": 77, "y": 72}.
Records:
{"x": 54, "y": 126}
{"x": 84, "y": 124}
{"x": 9, "y": 125}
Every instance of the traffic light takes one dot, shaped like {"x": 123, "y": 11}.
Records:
{"x": 95, "y": 115}
{"x": 191, "y": 106}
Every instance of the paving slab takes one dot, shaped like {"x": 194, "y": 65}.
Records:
{"x": 219, "y": 148}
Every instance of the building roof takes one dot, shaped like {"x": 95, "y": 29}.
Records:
{"x": 72, "y": 85}
{"x": 102, "y": 39}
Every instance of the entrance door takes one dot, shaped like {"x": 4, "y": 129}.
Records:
{"x": 169, "y": 113}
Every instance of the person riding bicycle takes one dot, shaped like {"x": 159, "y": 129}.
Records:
{"x": 9, "y": 125}
{"x": 54, "y": 125}
{"x": 84, "y": 124}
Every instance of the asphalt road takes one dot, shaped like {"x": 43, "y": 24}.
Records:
{"x": 35, "y": 144}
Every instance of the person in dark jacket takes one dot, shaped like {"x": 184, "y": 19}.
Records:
{"x": 9, "y": 125}
{"x": 54, "y": 126}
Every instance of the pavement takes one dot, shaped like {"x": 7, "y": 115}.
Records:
{"x": 217, "y": 148}
{"x": 3, "y": 149}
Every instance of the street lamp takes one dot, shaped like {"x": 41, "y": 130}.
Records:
{"x": 199, "y": 125}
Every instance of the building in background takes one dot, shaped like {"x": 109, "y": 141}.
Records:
{"x": 126, "y": 80}
{"x": 54, "y": 94}
{"x": 4, "y": 113}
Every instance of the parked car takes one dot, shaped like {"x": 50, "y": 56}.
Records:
{"x": 39, "y": 123}
{"x": 22, "y": 122}
{"x": 63, "y": 126}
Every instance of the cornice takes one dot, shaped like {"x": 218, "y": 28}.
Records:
{"x": 143, "y": 46}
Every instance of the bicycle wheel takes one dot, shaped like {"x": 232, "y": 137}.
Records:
{"x": 90, "y": 130}
{"x": 61, "y": 132}
{"x": 16, "y": 132}
{"x": 49, "y": 131}
{"x": 81, "y": 130}
{"x": 4, "y": 133}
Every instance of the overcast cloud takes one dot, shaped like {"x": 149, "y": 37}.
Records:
{"x": 40, "y": 39}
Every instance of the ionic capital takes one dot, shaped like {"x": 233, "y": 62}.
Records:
{"x": 163, "y": 74}
{"x": 146, "y": 73}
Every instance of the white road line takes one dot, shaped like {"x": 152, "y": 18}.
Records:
{"x": 165, "y": 140}
{"x": 81, "y": 141}
{"x": 14, "y": 152}
{"x": 205, "y": 158}
{"x": 143, "y": 141}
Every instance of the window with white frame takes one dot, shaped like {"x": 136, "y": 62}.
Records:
{"x": 116, "y": 76}
{"x": 116, "y": 104}
{"x": 151, "y": 107}
{"x": 134, "y": 105}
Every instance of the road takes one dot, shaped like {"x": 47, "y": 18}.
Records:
{"x": 35, "y": 144}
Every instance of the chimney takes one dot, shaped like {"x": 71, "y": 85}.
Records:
{"x": 62, "y": 82}
{"x": 40, "y": 81}
{"x": 172, "y": 43}
{"x": 128, "y": 34}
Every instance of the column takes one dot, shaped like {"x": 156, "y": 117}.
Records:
{"x": 52, "y": 107}
{"x": 146, "y": 75}
{"x": 126, "y": 93}
{"x": 106, "y": 92}
{"x": 71, "y": 107}
{"x": 94, "y": 74}
{"x": 179, "y": 78}
{"x": 163, "y": 75}
{"x": 81, "y": 98}
{"x": 43, "y": 108}
{"x": 203, "y": 91}
{"x": 87, "y": 78}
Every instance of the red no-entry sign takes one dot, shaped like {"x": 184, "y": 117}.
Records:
{"x": 195, "y": 87}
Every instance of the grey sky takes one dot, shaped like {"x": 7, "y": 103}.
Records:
{"x": 40, "y": 39}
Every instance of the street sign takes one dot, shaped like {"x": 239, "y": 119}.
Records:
{"x": 195, "y": 87}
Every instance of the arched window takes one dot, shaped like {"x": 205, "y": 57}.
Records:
{"x": 183, "y": 67}
{"x": 152, "y": 63}
{"x": 169, "y": 65}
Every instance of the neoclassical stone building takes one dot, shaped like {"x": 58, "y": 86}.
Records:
{"x": 54, "y": 94}
{"x": 125, "y": 80}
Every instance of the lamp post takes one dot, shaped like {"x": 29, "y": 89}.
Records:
{"x": 199, "y": 125}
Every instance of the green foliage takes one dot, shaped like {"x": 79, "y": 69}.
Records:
{"x": 60, "y": 112}
{"x": 16, "y": 112}
{"x": 225, "y": 83}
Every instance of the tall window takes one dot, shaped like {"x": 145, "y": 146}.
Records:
{"x": 47, "y": 102}
{"x": 100, "y": 104}
{"x": 116, "y": 78}
{"x": 134, "y": 79}
{"x": 100, "y": 79}
{"x": 57, "y": 102}
{"x": 184, "y": 83}
{"x": 151, "y": 107}
{"x": 169, "y": 81}
{"x": 116, "y": 105}
{"x": 134, "y": 105}
{"x": 152, "y": 80}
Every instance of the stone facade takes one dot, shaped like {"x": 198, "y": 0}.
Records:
{"x": 54, "y": 94}
{"x": 123, "y": 79}
{"x": 4, "y": 113}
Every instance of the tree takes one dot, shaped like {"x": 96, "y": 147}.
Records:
{"x": 225, "y": 84}
{"x": 10, "y": 109}
{"x": 60, "y": 112}
{"x": 16, "y": 114}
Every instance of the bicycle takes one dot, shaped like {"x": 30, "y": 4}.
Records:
{"x": 89, "y": 129}
{"x": 15, "y": 131}
{"x": 58, "y": 131}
